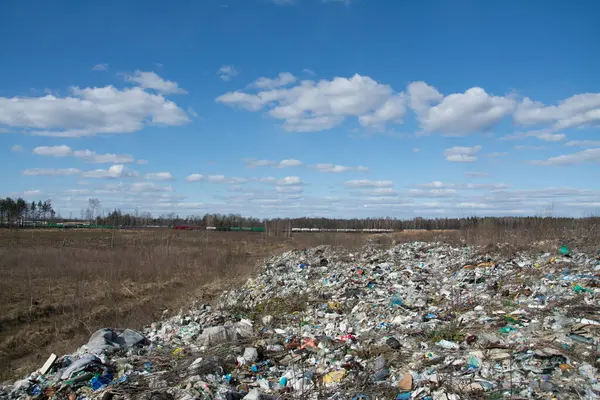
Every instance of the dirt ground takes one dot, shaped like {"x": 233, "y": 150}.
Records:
{"x": 58, "y": 287}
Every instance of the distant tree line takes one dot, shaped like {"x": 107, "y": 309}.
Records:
{"x": 19, "y": 213}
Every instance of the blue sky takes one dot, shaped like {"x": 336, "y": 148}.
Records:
{"x": 303, "y": 107}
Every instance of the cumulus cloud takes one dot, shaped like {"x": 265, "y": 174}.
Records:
{"x": 462, "y": 154}
{"x": 215, "y": 179}
{"x": 365, "y": 183}
{"x": 252, "y": 163}
{"x": 583, "y": 143}
{"x": 313, "y": 106}
{"x": 580, "y": 110}
{"x": 290, "y": 180}
{"x": 50, "y": 171}
{"x": 226, "y": 72}
{"x": 194, "y": 177}
{"x": 16, "y": 148}
{"x": 332, "y": 168}
{"x": 283, "y": 79}
{"x": 151, "y": 80}
{"x": 149, "y": 187}
{"x": 458, "y": 113}
{"x": 142, "y": 162}
{"x": 288, "y": 189}
{"x": 85, "y": 155}
{"x": 115, "y": 171}
{"x": 289, "y": 163}
{"x": 53, "y": 151}
{"x": 100, "y": 67}
{"x": 529, "y": 148}
{"x": 159, "y": 176}
{"x": 544, "y": 135}
{"x": 108, "y": 158}
{"x": 475, "y": 174}
{"x": 35, "y": 192}
{"x": 90, "y": 111}
{"x": 589, "y": 155}
{"x": 442, "y": 185}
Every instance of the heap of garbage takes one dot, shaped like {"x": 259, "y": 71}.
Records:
{"x": 414, "y": 321}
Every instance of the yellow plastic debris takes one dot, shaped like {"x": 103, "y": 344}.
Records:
{"x": 178, "y": 352}
{"x": 335, "y": 376}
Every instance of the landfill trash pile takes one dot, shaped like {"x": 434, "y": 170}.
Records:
{"x": 414, "y": 321}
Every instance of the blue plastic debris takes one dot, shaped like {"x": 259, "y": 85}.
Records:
{"x": 403, "y": 396}
{"x": 99, "y": 381}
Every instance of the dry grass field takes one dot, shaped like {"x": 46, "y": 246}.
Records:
{"x": 57, "y": 287}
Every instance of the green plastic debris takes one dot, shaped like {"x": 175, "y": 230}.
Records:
{"x": 564, "y": 250}
{"x": 507, "y": 329}
{"x": 581, "y": 289}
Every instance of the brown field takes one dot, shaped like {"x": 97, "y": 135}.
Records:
{"x": 58, "y": 287}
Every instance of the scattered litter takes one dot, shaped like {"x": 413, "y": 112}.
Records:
{"x": 424, "y": 321}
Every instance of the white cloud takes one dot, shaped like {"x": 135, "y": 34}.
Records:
{"x": 362, "y": 168}
{"x": 215, "y": 179}
{"x": 267, "y": 179}
{"x": 474, "y": 174}
{"x": 115, "y": 171}
{"x": 497, "y": 154}
{"x": 100, "y": 67}
{"x": 53, "y": 151}
{"x": 589, "y": 155}
{"x": 382, "y": 191}
{"x": 393, "y": 110}
{"x": 364, "y": 183}
{"x": 332, "y": 168}
{"x": 16, "y": 148}
{"x": 283, "y": 2}
{"x": 442, "y": 185}
{"x": 283, "y": 79}
{"x": 85, "y": 155}
{"x": 151, "y": 80}
{"x": 458, "y": 113}
{"x": 192, "y": 112}
{"x": 159, "y": 176}
{"x": 194, "y": 177}
{"x": 32, "y": 193}
{"x": 252, "y": 163}
{"x": 90, "y": 111}
{"x": 431, "y": 193}
{"x": 288, "y": 189}
{"x": 290, "y": 180}
{"x": 309, "y": 71}
{"x": 149, "y": 187}
{"x": 226, "y": 72}
{"x": 289, "y": 163}
{"x": 529, "y": 148}
{"x": 50, "y": 171}
{"x": 416, "y": 150}
{"x": 93, "y": 157}
{"x": 462, "y": 154}
{"x": 544, "y": 135}
{"x": 142, "y": 162}
{"x": 583, "y": 143}
{"x": 313, "y": 106}
{"x": 580, "y": 110}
